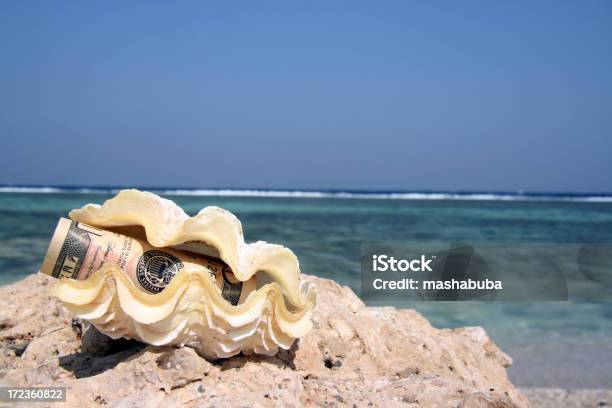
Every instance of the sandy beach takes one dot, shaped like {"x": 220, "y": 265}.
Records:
{"x": 571, "y": 398}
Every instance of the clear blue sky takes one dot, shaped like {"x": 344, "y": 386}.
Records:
{"x": 370, "y": 95}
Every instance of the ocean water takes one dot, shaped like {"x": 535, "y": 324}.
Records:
{"x": 554, "y": 344}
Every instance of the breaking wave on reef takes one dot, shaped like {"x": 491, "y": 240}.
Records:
{"x": 340, "y": 194}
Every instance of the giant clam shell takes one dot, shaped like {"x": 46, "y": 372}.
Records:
{"x": 190, "y": 311}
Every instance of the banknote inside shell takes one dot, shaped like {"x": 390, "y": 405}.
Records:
{"x": 77, "y": 250}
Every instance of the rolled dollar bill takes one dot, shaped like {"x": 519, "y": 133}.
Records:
{"x": 77, "y": 250}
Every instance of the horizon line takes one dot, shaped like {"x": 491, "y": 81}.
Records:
{"x": 473, "y": 195}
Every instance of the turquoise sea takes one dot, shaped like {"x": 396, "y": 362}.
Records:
{"x": 554, "y": 344}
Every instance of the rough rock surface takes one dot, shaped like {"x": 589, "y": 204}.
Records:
{"x": 354, "y": 356}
